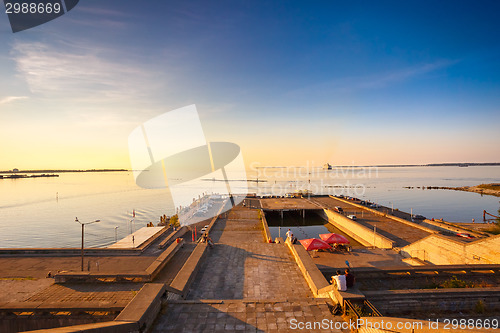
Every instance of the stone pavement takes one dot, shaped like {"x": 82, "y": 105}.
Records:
{"x": 243, "y": 316}
{"x": 244, "y": 285}
{"x": 37, "y": 267}
{"x": 102, "y": 295}
{"x": 21, "y": 289}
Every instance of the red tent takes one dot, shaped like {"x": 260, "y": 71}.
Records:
{"x": 334, "y": 238}
{"x": 314, "y": 244}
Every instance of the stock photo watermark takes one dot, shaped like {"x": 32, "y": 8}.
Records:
{"x": 314, "y": 180}
{"x": 390, "y": 325}
{"x": 171, "y": 151}
{"x": 28, "y": 14}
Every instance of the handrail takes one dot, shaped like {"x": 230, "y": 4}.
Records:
{"x": 367, "y": 309}
{"x": 348, "y": 307}
{"x": 375, "y": 312}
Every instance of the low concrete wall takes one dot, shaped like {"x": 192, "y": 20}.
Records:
{"x": 176, "y": 234}
{"x": 375, "y": 324}
{"x": 320, "y": 287}
{"x": 267, "y": 233}
{"x": 86, "y": 277}
{"x": 151, "y": 239}
{"x": 310, "y": 271}
{"x": 441, "y": 250}
{"x": 144, "y": 307}
{"x": 163, "y": 259}
{"x": 362, "y": 234}
{"x": 185, "y": 277}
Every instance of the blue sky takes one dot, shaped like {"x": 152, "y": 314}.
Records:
{"x": 290, "y": 81}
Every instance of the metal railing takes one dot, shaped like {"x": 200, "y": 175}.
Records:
{"x": 360, "y": 309}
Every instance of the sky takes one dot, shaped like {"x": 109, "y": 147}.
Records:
{"x": 290, "y": 82}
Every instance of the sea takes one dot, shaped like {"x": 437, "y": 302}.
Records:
{"x": 41, "y": 212}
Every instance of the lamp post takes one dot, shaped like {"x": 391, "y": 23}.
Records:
{"x": 83, "y": 229}
{"x": 131, "y": 226}
{"x": 116, "y": 234}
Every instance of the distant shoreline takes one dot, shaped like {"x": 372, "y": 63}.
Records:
{"x": 463, "y": 164}
{"x": 61, "y": 171}
{"x": 387, "y": 165}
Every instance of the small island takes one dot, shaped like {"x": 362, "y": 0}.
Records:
{"x": 18, "y": 174}
{"x": 488, "y": 189}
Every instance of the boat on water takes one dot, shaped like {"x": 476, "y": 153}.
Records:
{"x": 327, "y": 166}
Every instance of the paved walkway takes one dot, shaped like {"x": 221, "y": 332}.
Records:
{"x": 399, "y": 232}
{"x": 98, "y": 295}
{"x": 245, "y": 285}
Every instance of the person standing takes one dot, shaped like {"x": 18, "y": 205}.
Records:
{"x": 349, "y": 278}
{"x": 289, "y": 234}
{"x": 339, "y": 280}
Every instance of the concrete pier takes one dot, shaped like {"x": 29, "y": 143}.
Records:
{"x": 242, "y": 283}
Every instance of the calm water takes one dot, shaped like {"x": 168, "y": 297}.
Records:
{"x": 41, "y": 212}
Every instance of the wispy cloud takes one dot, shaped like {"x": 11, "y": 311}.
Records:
{"x": 375, "y": 81}
{"x": 400, "y": 75}
{"x": 10, "y": 99}
{"x": 81, "y": 71}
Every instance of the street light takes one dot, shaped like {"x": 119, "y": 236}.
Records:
{"x": 83, "y": 228}
{"x": 116, "y": 234}
{"x": 131, "y": 226}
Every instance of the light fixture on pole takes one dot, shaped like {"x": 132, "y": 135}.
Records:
{"x": 131, "y": 226}
{"x": 83, "y": 230}
{"x": 116, "y": 234}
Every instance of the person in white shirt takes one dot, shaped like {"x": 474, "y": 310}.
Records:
{"x": 339, "y": 281}
{"x": 289, "y": 234}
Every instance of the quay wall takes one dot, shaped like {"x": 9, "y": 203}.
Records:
{"x": 441, "y": 250}
{"x": 362, "y": 234}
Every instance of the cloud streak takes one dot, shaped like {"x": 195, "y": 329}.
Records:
{"x": 80, "y": 72}
{"x": 10, "y": 99}
{"x": 374, "y": 81}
